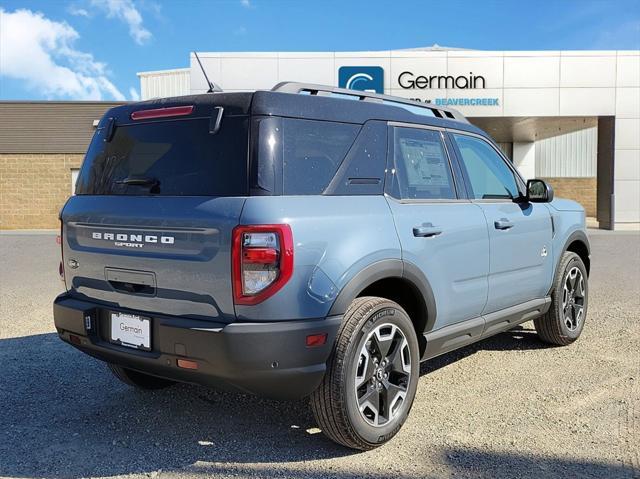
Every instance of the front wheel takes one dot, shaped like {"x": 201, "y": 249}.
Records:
{"x": 564, "y": 321}
{"x": 372, "y": 375}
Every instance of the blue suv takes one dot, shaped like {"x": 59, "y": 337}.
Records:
{"x": 308, "y": 241}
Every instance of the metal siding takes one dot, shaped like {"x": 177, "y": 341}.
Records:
{"x": 165, "y": 83}
{"x": 48, "y": 127}
{"x": 572, "y": 155}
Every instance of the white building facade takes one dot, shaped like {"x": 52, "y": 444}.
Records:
{"x": 570, "y": 116}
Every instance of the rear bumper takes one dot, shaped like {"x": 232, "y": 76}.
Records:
{"x": 267, "y": 359}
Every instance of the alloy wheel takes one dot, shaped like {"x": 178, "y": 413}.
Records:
{"x": 383, "y": 372}
{"x": 573, "y": 298}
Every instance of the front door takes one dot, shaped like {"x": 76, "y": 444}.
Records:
{"x": 520, "y": 233}
{"x": 442, "y": 234}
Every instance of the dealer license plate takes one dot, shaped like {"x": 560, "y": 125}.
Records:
{"x": 131, "y": 330}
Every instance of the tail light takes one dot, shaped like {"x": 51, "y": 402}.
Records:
{"x": 262, "y": 258}
{"x": 162, "y": 112}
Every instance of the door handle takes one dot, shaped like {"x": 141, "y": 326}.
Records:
{"x": 427, "y": 230}
{"x": 503, "y": 224}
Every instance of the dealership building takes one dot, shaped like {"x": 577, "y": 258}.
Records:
{"x": 570, "y": 117}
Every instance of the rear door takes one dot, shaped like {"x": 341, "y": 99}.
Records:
{"x": 440, "y": 231}
{"x": 150, "y": 226}
{"x": 520, "y": 232}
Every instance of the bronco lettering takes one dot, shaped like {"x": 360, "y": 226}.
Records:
{"x": 132, "y": 240}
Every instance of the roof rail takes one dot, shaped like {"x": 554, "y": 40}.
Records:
{"x": 325, "y": 90}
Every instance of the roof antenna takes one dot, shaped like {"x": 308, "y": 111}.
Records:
{"x": 212, "y": 86}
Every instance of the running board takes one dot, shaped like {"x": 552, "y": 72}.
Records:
{"x": 469, "y": 331}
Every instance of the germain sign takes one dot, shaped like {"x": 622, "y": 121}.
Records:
{"x": 408, "y": 80}
{"x": 363, "y": 78}
{"x": 466, "y": 101}
{"x": 371, "y": 78}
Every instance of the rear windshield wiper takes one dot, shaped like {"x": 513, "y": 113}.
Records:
{"x": 139, "y": 181}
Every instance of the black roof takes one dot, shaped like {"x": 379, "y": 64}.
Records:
{"x": 343, "y": 110}
{"x": 273, "y": 103}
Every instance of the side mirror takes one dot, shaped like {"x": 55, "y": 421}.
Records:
{"x": 539, "y": 192}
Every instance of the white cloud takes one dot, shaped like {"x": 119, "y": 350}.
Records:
{"x": 125, "y": 11}
{"x": 246, "y": 3}
{"x": 133, "y": 94}
{"x": 41, "y": 52}
{"x": 77, "y": 11}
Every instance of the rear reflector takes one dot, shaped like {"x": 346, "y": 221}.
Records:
{"x": 74, "y": 339}
{"x": 187, "y": 364}
{"x": 162, "y": 112}
{"x": 260, "y": 255}
{"x": 316, "y": 339}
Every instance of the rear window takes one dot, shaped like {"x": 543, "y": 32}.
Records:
{"x": 168, "y": 158}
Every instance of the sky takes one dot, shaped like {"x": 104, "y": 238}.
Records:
{"x": 92, "y": 49}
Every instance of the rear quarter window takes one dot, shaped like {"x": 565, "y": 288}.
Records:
{"x": 312, "y": 152}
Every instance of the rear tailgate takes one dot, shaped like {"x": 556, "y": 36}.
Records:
{"x": 160, "y": 190}
{"x": 159, "y": 255}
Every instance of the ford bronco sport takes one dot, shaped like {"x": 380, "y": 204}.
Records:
{"x": 308, "y": 241}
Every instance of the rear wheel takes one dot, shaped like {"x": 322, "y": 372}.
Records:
{"x": 564, "y": 321}
{"x": 372, "y": 375}
{"x": 137, "y": 379}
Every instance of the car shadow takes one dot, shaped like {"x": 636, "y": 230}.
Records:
{"x": 507, "y": 465}
{"x": 464, "y": 463}
{"x": 64, "y": 415}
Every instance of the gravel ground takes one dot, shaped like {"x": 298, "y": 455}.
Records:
{"x": 507, "y": 407}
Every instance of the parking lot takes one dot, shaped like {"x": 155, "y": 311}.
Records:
{"x": 509, "y": 406}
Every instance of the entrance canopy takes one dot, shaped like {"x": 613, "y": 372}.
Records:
{"x": 531, "y": 128}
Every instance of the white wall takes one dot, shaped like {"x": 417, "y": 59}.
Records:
{"x": 627, "y": 138}
{"x": 524, "y": 158}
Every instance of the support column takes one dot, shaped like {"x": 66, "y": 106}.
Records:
{"x": 605, "y": 169}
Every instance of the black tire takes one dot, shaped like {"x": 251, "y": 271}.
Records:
{"x": 559, "y": 325}
{"x": 335, "y": 404}
{"x": 138, "y": 379}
